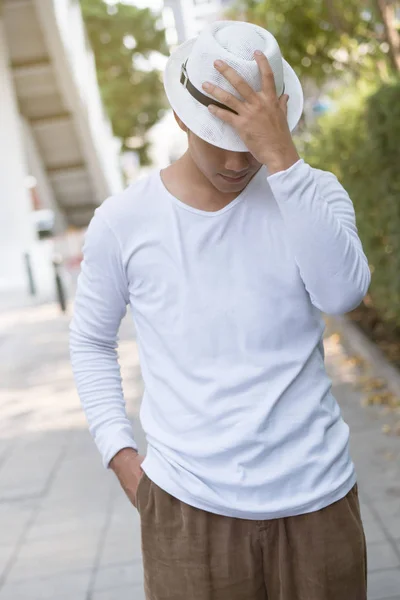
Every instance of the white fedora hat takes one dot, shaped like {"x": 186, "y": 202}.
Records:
{"x": 192, "y": 63}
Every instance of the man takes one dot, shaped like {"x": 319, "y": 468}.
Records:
{"x": 228, "y": 257}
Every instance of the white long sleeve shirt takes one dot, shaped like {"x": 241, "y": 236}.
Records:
{"x": 238, "y": 411}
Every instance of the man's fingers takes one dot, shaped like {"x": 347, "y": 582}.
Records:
{"x": 267, "y": 75}
{"x": 283, "y": 102}
{"x": 222, "y": 96}
{"x": 244, "y": 89}
{"x": 225, "y": 115}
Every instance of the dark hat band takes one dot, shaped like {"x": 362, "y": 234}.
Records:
{"x": 199, "y": 96}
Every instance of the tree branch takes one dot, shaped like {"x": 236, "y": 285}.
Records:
{"x": 387, "y": 11}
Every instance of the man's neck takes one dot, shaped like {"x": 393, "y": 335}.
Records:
{"x": 187, "y": 183}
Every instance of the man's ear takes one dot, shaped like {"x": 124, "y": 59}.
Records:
{"x": 180, "y": 123}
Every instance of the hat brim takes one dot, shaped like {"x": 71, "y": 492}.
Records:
{"x": 198, "y": 118}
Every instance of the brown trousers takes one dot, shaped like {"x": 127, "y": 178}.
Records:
{"x": 190, "y": 554}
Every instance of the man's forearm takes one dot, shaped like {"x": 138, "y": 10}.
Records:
{"x": 100, "y": 305}
{"x": 320, "y": 224}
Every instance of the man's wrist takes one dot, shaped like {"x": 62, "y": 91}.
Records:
{"x": 123, "y": 456}
{"x": 282, "y": 162}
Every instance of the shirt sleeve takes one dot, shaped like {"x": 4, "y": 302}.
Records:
{"x": 321, "y": 225}
{"x": 100, "y": 305}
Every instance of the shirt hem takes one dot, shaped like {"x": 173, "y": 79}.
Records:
{"x": 309, "y": 507}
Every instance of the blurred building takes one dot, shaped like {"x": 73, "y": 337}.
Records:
{"x": 58, "y": 157}
{"x": 191, "y": 16}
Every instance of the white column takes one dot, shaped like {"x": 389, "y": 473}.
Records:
{"x": 37, "y": 169}
{"x": 17, "y": 234}
{"x": 185, "y": 22}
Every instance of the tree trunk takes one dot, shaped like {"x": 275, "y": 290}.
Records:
{"x": 387, "y": 11}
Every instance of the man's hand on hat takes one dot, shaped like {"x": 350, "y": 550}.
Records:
{"x": 261, "y": 118}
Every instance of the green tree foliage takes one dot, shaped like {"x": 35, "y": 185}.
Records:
{"x": 327, "y": 37}
{"x": 122, "y": 37}
{"x": 359, "y": 142}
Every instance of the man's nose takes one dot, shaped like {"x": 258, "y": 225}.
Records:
{"x": 236, "y": 163}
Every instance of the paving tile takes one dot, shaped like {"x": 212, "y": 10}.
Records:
{"x": 123, "y": 574}
{"x": 374, "y": 532}
{"x": 125, "y": 517}
{"x": 6, "y": 446}
{"x": 6, "y": 553}
{"x": 389, "y": 512}
{"x": 45, "y": 528}
{"x": 26, "y": 473}
{"x": 123, "y": 537}
{"x": 90, "y": 507}
{"x": 120, "y": 549}
{"x": 62, "y": 512}
{"x": 366, "y": 512}
{"x": 30, "y": 569}
{"x": 130, "y": 592}
{"x": 384, "y": 584}
{"x": 14, "y": 518}
{"x": 381, "y": 555}
{"x": 70, "y": 532}
{"x": 82, "y": 465}
{"x": 66, "y": 546}
{"x": 72, "y": 586}
{"x": 48, "y": 558}
{"x": 378, "y": 475}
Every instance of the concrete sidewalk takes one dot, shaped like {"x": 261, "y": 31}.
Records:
{"x": 67, "y": 530}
